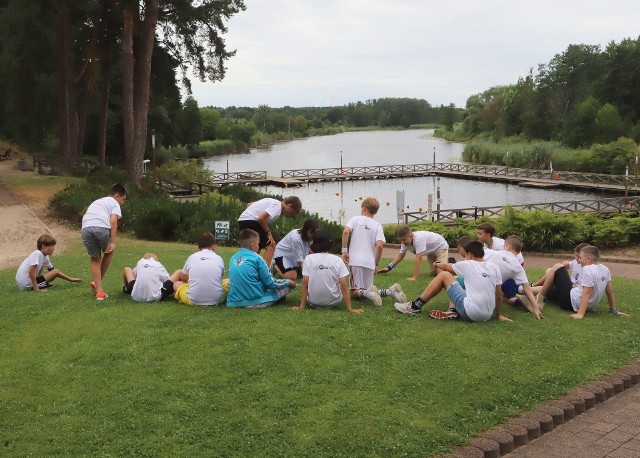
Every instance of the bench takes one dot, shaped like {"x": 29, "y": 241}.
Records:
{"x": 5, "y": 155}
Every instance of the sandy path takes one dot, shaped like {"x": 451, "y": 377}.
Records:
{"x": 21, "y": 224}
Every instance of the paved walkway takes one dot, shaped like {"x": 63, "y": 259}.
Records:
{"x": 610, "y": 429}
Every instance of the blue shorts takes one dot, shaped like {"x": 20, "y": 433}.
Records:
{"x": 457, "y": 296}
{"x": 509, "y": 288}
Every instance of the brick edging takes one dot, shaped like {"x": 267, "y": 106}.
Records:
{"x": 528, "y": 426}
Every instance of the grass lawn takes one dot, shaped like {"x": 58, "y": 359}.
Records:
{"x": 81, "y": 377}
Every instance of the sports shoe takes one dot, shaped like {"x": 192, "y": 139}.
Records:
{"x": 540, "y": 301}
{"x": 405, "y": 308}
{"x": 372, "y": 294}
{"x": 440, "y": 315}
{"x": 397, "y": 293}
{"x": 101, "y": 296}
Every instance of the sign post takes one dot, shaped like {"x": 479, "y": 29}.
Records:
{"x": 221, "y": 230}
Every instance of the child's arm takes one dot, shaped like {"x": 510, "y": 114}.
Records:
{"x": 32, "y": 276}
{"x": 584, "y": 303}
{"x": 304, "y": 290}
{"x": 345, "y": 244}
{"x": 445, "y": 266}
{"x": 393, "y": 263}
{"x": 346, "y": 295}
{"x": 378, "y": 252}
{"x": 114, "y": 233}
{"x": 416, "y": 267}
{"x": 498, "y": 312}
{"x": 262, "y": 221}
{"x": 612, "y": 301}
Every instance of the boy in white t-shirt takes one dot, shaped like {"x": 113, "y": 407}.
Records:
{"x": 476, "y": 303}
{"x": 324, "y": 283}
{"x": 584, "y": 296}
{"x": 260, "y": 213}
{"x": 421, "y": 243}
{"x": 573, "y": 265}
{"x": 29, "y": 275}
{"x": 148, "y": 281}
{"x": 200, "y": 280}
{"x": 99, "y": 231}
{"x": 362, "y": 242}
{"x": 292, "y": 250}
{"x": 485, "y": 233}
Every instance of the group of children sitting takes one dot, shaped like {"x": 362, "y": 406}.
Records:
{"x": 491, "y": 270}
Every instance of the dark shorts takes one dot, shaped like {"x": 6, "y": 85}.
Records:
{"x": 264, "y": 237}
{"x": 42, "y": 282}
{"x": 167, "y": 289}
{"x": 509, "y": 288}
{"x": 561, "y": 291}
{"x": 284, "y": 269}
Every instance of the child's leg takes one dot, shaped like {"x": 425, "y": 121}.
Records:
{"x": 268, "y": 253}
{"x": 106, "y": 261}
{"x": 55, "y": 273}
{"x": 180, "y": 276}
{"x": 549, "y": 278}
{"x": 442, "y": 281}
{"x": 96, "y": 273}
{"x": 128, "y": 275}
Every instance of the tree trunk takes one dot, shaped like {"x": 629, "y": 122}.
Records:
{"x": 136, "y": 83}
{"x": 63, "y": 86}
{"x": 107, "y": 59}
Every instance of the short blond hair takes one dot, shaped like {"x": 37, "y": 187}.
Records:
{"x": 150, "y": 256}
{"x": 404, "y": 231}
{"x": 247, "y": 236}
{"x": 371, "y": 204}
{"x": 591, "y": 252}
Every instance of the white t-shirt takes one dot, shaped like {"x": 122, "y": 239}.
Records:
{"x": 205, "y": 269}
{"x": 272, "y": 206}
{"x": 150, "y": 275}
{"x": 595, "y": 276}
{"x": 425, "y": 242}
{"x": 324, "y": 271}
{"x": 99, "y": 213}
{"x": 510, "y": 267}
{"x": 497, "y": 245}
{"x": 480, "y": 281}
{"x": 292, "y": 249}
{"x": 576, "y": 268}
{"x": 365, "y": 232}
{"x": 36, "y": 258}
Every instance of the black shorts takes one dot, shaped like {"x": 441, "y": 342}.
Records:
{"x": 561, "y": 291}
{"x": 250, "y": 224}
{"x": 42, "y": 282}
{"x": 284, "y": 269}
{"x": 166, "y": 290}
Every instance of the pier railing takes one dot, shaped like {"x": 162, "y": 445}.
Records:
{"x": 239, "y": 176}
{"x": 602, "y": 206}
{"x": 470, "y": 170}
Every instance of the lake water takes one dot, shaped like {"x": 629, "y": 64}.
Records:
{"x": 338, "y": 201}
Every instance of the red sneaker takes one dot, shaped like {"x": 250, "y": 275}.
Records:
{"x": 101, "y": 296}
{"x": 440, "y": 315}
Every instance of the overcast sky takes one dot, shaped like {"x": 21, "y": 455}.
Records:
{"x": 333, "y": 52}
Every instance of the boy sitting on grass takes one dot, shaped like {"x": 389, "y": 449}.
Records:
{"x": 324, "y": 283}
{"x": 148, "y": 281}
{"x": 200, "y": 280}
{"x": 475, "y": 304}
{"x": 594, "y": 282}
{"x": 420, "y": 243}
{"x": 252, "y": 285}
{"x": 29, "y": 275}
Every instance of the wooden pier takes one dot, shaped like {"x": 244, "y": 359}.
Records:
{"x": 601, "y": 206}
{"x": 525, "y": 177}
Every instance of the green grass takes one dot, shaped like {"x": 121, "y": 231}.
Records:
{"x": 112, "y": 378}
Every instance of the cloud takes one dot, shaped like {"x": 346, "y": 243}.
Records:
{"x": 335, "y": 52}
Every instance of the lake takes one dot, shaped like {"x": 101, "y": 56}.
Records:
{"x": 338, "y": 201}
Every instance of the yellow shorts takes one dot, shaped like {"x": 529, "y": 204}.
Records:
{"x": 181, "y": 294}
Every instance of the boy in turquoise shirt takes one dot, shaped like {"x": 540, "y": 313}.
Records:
{"x": 252, "y": 286}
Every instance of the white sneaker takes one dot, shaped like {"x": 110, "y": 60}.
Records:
{"x": 372, "y": 294}
{"x": 406, "y": 308}
{"x": 397, "y": 293}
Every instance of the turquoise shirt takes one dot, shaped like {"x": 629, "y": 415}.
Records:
{"x": 251, "y": 282}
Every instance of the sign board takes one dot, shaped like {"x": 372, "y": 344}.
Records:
{"x": 222, "y": 230}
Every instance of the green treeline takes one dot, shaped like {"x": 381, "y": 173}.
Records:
{"x": 583, "y": 96}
